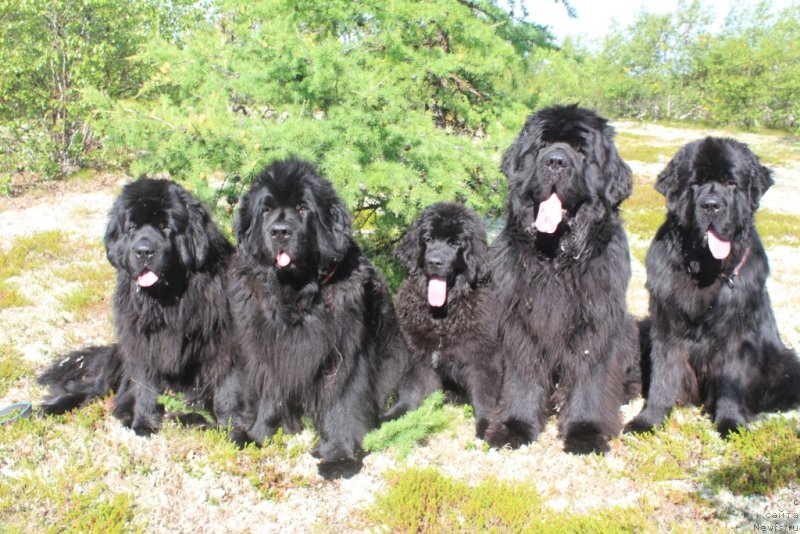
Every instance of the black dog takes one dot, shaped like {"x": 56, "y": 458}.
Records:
{"x": 714, "y": 337}
{"x": 445, "y": 310}
{"x": 314, "y": 320}
{"x": 560, "y": 270}
{"x": 170, "y": 313}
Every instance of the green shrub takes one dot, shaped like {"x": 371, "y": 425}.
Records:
{"x": 403, "y": 433}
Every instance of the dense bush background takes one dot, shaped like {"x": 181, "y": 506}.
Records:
{"x": 400, "y": 103}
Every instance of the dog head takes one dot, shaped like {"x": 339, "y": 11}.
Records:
{"x": 713, "y": 188}
{"x": 445, "y": 251}
{"x": 564, "y": 175}
{"x": 157, "y": 230}
{"x": 292, "y": 219}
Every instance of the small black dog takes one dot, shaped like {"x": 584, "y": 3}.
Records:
{"x": 445, "y": 311}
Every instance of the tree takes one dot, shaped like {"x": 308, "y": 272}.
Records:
{"x": 51, "y": 50}
{"x": 400, "y": 103}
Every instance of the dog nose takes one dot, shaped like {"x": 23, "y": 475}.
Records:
{"x": 435, "y": 261}
{"x": 144, "y": 250}
{"x": 556, "y": 161}
{"x": 710, "y": 203}
{"x": 280, "y": 231}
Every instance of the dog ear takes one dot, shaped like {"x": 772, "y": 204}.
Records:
{"x": 671, "y": 183}
{"x": 338, "y": 222}
{"x": 475, "y": 255}
{"x": 193, "y": 242}
{"x": 617, "y": 174}
{"x": 760, "y": 181}
{"x": 114, "y": 232}
{"x": 243, "y": 221}
{"x": 408, "y": 250}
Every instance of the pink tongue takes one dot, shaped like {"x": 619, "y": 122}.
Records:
{"x": 719, "y": 248}
{"x": 283, "y": 259}
{"x": 147, "y": 278}
{"x": 437, "y": 291}
{"x": 550, "y": 213}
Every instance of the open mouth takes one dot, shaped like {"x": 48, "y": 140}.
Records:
{"x": 147, "y": 278}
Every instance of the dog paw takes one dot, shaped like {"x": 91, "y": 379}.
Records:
{"x": 586, "y": 438}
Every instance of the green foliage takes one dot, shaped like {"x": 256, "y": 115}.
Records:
{"x": 400, "y": 104}
{"x": 51, "y": 51}
{"x": 403, "y": 433}
{"x": 177, "y": 404}
{"x": 423, "y": 500}
{"x": 758, "y": 461}
{"x": 676, "y": 66}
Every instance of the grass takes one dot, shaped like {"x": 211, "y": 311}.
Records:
{"x": 760, "y": 460}
{"x": 424, "y": 500}
{"x": 644, "y": 148}
{"x": 778, "y": 229}
{"x": 266, "y": 468}
{"x": 25, "y": 254}
{"x": 54, "y": 482}
{"x": 12, "y": 367}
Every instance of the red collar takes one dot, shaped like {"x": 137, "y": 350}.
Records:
{"x": 327, "y": 277}
{"x": 730, "y": 279}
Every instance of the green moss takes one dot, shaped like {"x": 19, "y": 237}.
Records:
{"x": 673, "y": 452}
{"x": 760, "y": 460}
{"x": 29, "y": 252}
{"x": 423, "y": 500}
{"x": 11, "y": 297}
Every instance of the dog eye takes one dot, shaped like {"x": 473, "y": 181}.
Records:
{"x": 302, "y": 208}
{"x": 428, "y": 240}
{"x": 732, "y": 184}
{"x": 164, "y": 227}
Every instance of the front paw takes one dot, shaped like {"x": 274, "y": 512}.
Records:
{"x": 337, "y": 460}
{"x": 339, "y": 468}
{"x": 585, "y": 438}
{"x": 513, "y": 433}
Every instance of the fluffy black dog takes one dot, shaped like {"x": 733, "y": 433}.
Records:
{"x": 444, "y": 306}
{"x": 314, "y": 320}
{"x": 560, "y": 270}
{"x": 714, "y": 337}
{"x": 170, "y": 313}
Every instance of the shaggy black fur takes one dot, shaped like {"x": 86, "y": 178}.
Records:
{"x": 714, "y": 337}
{"x": 450, "y": 328}
{"x": 560, "y": 270}
{"x": 314, "y": 320}
{"x": 170, "y": 313}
